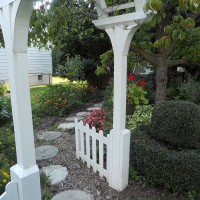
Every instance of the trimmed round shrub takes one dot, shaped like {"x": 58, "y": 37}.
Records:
{"x": 177, "y": 123}
{"x": 178, "y": 171}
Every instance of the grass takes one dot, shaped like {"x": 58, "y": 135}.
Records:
{"x": 42, "y": 88}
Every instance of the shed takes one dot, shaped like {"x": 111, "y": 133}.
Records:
{"x": 39, "y": 66}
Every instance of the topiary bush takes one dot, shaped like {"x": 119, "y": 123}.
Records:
{"x": 176, "y": 123}
{"x": 177, "y": 171}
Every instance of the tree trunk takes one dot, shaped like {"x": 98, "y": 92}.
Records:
{"x": 161, "y": 82}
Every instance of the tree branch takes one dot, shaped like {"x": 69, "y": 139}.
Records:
{"x": 146, "y": 55}
{"x": 175, "y": 63}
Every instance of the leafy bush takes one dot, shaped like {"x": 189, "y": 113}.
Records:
{"x": 7, "y": 155}
{"x": 108, "y": 98}
{"x": 5, "y": 110}
{"x": 189, "y": 91}
{"x": 141, "y": 116}
{"x": 58, "y": 99}
{"x": 3, "y": 89}
{"x": 76, "y": 68}
{"x": 178, "y": 171}
{"x": 96, "y": 119}
{"x": 177, "y": 123}
{"x": 136, "y": 94}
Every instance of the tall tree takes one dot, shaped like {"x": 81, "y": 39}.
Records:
{"x": 67, "y": 26}
{"x": 171, "y": 39}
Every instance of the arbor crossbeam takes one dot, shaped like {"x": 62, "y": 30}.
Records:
{"x": 5, "y": 2}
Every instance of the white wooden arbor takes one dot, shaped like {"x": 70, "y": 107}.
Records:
{"x": 14, "y": 20}
{"x": 120, "y": 29}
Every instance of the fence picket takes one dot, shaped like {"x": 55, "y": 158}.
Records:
{"x": 101, "y": 152}
{"x": 84, "y": 149}
{"x": 94, "y": 150}
{"x": 88, "y": 147}
{"x": 77, "y": 134}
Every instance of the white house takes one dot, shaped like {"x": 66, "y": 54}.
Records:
{"x": 39, "y": 66}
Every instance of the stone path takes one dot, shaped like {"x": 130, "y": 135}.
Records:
{"x": 57, "y": 173}
{"x": 49, "y": 135}
{"x": 46, "y": 152}
{"x": 73, "y": 195}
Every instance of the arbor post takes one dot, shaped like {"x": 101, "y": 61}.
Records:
{"x": 14, "y": 19}
{"x": 119, "y": 136}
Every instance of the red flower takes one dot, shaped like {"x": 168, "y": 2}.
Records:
{"x": 131, "y": 77}
{"x": 142, "y": 83}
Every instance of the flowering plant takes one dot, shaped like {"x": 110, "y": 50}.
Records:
{"x": 135, "y": 91}
{"x": 96, "y": 119}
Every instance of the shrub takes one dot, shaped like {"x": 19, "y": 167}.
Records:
{"x": 188, "y": 92}
{"x": 58, "y": 99}
{"x": 3, "y": 89}
{"x": 141, "y": 116}
{"x": 96, "y": 119}
{"x": 178, "y": 171}
{"x": 5, "y": 110}
{"x": 7, "y": 155}
{"x": 136, "y": 93}
{"x": 177, "y": 123}
{"x": 76, "y": 68}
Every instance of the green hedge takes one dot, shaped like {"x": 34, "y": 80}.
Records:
{"x": 177, "y": 123}
{"x": 178, "y": 171}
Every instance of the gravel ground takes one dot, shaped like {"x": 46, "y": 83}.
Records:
{"x": 82, "y": 178}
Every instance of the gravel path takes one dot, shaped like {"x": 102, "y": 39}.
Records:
{"x": 82, "y": 178}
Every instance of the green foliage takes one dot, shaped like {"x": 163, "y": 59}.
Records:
{"x": 72, "y": 69}
{"x": 7, "y": 155}
{"x": 107, "y": 63}
{"x": 108, "y": 98}
{"x": 5, "y": 110}
{"x": 177, "y": 171}
{"x": 188, "y": 92}
{"x": 3, "y": 89}
{"x": 141, "y": 116}
{"x": 136, "y": 94}
{"x": 76, "y": 68}
{"x": 45, "y": 184}
{"x": 68, "y": 28}
{"x": 58, "y": 99}
{"x": 176, "y": 123}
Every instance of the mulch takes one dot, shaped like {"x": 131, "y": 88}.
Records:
{"x": 82, "y": 178}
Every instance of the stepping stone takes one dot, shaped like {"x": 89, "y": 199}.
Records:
{"x": 73, "y": 195}
{"x": 93, "y": 108}
{"x": 67, "y": 126}
{"x": 46, "y": 152}
{"x": 82, "y": 114}
{"x": 56, "y": 173}
{"x": 49, "y": 135}
{"x": 98, "y": 105}
{"x": 72, "y": 119}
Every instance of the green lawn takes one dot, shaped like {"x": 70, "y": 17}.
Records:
{"x": 42, "y": 88}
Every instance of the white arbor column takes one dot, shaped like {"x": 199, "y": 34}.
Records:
{"x": 120, "y": 137}
{"x": 14, "y": 19}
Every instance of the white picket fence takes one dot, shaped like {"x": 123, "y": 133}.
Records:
{"x": 92, "y": 148}
{"x": 11, "y": 192}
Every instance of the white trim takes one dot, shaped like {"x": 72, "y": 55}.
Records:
{"x": 5, "y": 2}
{"x": 119, "y": 7}
{"x": 125, "y": 20}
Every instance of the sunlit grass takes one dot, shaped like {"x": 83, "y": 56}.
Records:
{"x": 58, "y": 80}
{"x": 38, "y": 89}
{"x": 55, "y": 80}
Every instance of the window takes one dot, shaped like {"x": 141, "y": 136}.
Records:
{"x": 40, "y": 77}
